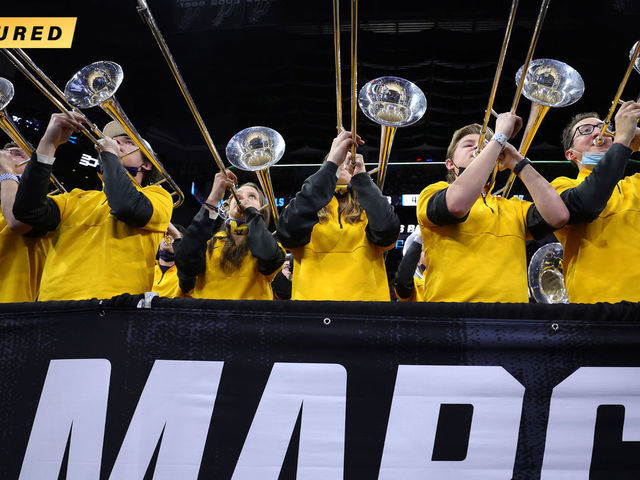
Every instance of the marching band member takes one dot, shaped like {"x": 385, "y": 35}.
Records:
{"x": 21, "y": 257}
{"x": 104, "y": 242}
{"x": 338, "y": 227}
{"x": 601, "y": 242}
{"x": 235, "y": 258}
{"x": 474, "y": 242}
{"x": 409, "y": 287}
{"x": 165, "y": 276}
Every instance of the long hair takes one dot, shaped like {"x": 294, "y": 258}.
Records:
{"x": 351, "y": 214}
{"x": 233, "y": 253}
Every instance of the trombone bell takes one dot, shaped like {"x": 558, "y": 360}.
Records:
{"x": 551, "y": 83}
{"x": 546, "y": 280}
{"x": 392, "y": 101}
{"x": 94, "y": 84}
{"x": 255, "y": 149}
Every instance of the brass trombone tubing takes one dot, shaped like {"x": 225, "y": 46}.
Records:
{"x": 31, "y": 77}
{"x": 386, "y": 140}
{"x": 113, "y": 109}
{"x": 145, "y": 13}
{"x": 336, "y": 49}
{"x": 532, "y": 47}
{"x": 616, "y": 100}
{"x": 354, "y": 76}
{"x": 9, "y": 127}
{"x": 535, "y": 119}
{"x": 516, "y": 99}
{"x": 496, "y": 78}
{"x": 264, "y": 177}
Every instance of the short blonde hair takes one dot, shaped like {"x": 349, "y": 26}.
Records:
{"x": 458, "y": 135}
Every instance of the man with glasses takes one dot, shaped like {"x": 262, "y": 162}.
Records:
{"x": 601, "y": 242}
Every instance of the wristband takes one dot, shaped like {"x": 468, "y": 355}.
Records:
{"x": 501, "y": 139}
{"x": 520, "y": 165}
{"x": 9, "y": 176}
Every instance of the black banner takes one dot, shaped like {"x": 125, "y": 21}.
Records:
{"x": 193, "y": 389}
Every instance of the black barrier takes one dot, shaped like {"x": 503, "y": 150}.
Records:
{"x": 309, "y": 390}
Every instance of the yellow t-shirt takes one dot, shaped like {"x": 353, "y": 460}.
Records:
{"x": 166, "y": 284}
{"x": 482, "y": 259}
{"x": 600, "y": 258}
{"x": 95, "y": 255}
{"x": 22, "y": 260}
{"x": 245, "y": 283}
{"x": 339, "y": 263}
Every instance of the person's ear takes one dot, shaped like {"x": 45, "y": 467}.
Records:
{"x": 571, "y": 155}
{"x": 449, "y": 164}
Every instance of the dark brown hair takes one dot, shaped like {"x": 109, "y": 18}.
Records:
{"x": 233, "y": 253}
{"x": 569, "y": 130}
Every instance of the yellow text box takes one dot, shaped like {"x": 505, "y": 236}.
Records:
{"x": 37, "y": 32}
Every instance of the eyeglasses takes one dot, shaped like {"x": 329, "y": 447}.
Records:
{"x": 586, "y": 129}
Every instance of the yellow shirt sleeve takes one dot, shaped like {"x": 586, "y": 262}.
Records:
{"x": 423, "y": 200}
{"x": 162, "y": 208}
{"x": 65, "y": 202}
{"x": 563, "y": 183}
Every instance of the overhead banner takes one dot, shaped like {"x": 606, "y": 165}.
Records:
{"x": 193, "y": 389}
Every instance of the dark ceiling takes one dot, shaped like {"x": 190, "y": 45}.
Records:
{"x": 270, "y": 62}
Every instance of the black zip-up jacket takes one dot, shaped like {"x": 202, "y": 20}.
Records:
{"x": 33, "y": 207}
{"x": 301, "y": 215}
{"x": 191, "y": 249}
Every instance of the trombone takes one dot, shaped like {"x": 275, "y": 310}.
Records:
{"x": 256, "y": 149}
{"x": 391, "y": 102}
{"x": 514, "y": 106}
{"x": 145, "y": 13}
{"x": 633, "y": 64}
{"x": 547, "y": 83}
{"x": 546, "y": 279}
{"x": 10, "y": 128}
{"x": 95, "y": 85}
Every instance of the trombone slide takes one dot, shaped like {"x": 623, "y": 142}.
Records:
{"x": 10, "y": 128}
{"x": 112, "y": 107}
{"x": 386, "y": 141}
{"x": 264, "y": 177}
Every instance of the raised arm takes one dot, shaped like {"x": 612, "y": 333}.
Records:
{"x": 467, "y": 187}
{"x": 127, "y": 203}
{"x": 32, "y": 206}
{"x": 546, "y": 200}
{"x": 300, "y": 216}
{"x": 262, "y": 244}
{"x": 383, "y": 225}
{"x": 191, "y": 249}
{"x": 8, "y": 189}
{"x": 586, "y": 201}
